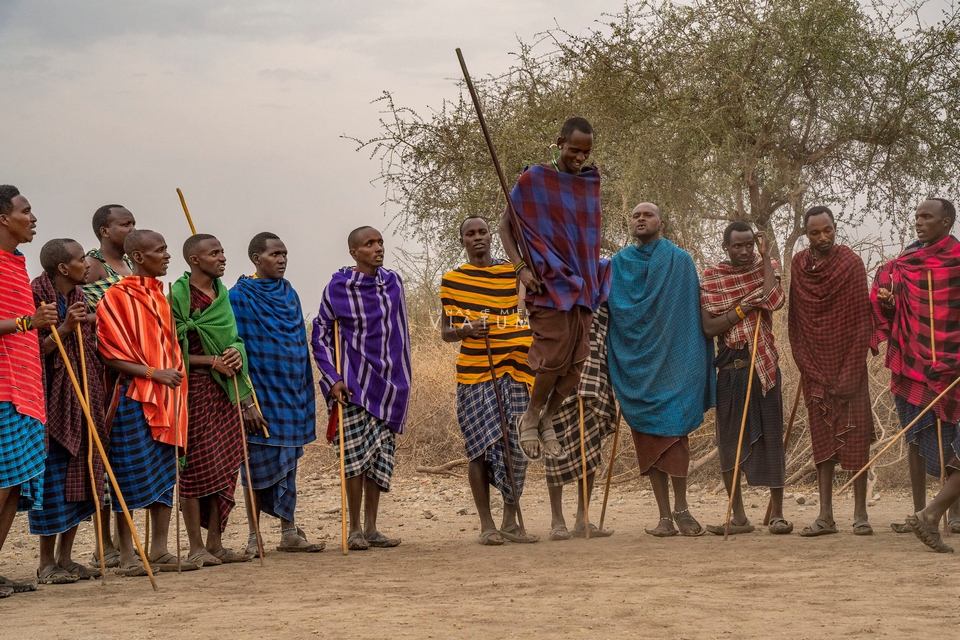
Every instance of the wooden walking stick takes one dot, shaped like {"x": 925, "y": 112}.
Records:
{"x": 186, "y": 212}
{"x": 786, "y": 441}
{"x": 583, "y": 462}
{"x": 933, "y": 352}
{"x": 613, "y": 457}
{"x": 176, "y": 416}
{"x": 103, "y": 456}
{"x": 246, "y": 464}
{"x": 899, "y": 435}
{"x": 93, "y": 476}
{"x": 505, "y": 435}
{"x": 343, "y": 471}
{"x": 735, "y": 483}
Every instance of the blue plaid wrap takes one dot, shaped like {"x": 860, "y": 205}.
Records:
{"x": 479, "y": 420}
{"x": 144, "y": 467}
{"x": 274, "y": 471}
{"x": 924, "y": 434}
{"x": 58, "y": 515}
{"x": 21, "y": 456}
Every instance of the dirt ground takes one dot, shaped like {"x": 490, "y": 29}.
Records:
{"x": 440, "y": 583}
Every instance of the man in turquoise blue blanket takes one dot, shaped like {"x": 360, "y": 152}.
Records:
{"x": 661, "y": 363}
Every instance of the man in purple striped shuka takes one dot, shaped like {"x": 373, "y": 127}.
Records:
{"x": 373, "y": 385}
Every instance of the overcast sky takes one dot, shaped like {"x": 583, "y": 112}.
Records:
{"x": 240, "y": 103}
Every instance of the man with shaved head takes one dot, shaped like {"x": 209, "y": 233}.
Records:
{"x": 663, "y": 390}
{"x": 137, "y": 341}
{"x": 364, "y": 306}
{"x": 108, "y": 263}
{"x": 922, "y": 365}
{"x": 217, "y": 370}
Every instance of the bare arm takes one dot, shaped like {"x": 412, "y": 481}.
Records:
{"x": 167, "y": 377}
{"x": 96, "y": 272}
{"x": 714, "y": 326}
{"x": 527, "y": 277}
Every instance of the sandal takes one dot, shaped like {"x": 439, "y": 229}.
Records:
{"x": 718, "y": 530}
{"x": 821, "y": 527}
{"x": 514, "y": 533}
{"x": 55, "y": 575}
{"x": 301, "y": 545}
{"x": 530, "y": 435}
{"x": 559, "y": 533}
{"x": 900, "y": 527}
{"x": 928, "y": 536}
{"x": 252, "y": 550}
{"x": 110, "y": 561}
{"x": 168, "y": 562}
{"x": 82, "y": 572}
{"x": 5, "y": 592}
{"x": 17, "y": 586}
{"x": 780, "y": 526}
{"x": 578, "y": 532}
{"x": 203, "y": 558}
{"x": 663, "y": 533}
{"x": 953, "y": 525}
{"x": 133, "y": 569}
{"x": 491, "y": 538}
{"x": 862, "y": 528}
{"x": 548, "y": 436}
{"x": 686, "y": 516}
{"x": 229, "y": 556}
{"x": 380, "y": 541}
{"x": 356, "y": 542}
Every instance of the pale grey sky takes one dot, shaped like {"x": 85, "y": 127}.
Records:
{"x": 240, "y": 103}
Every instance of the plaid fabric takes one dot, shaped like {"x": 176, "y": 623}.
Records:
{"x": 274, "y": 471}
{"x": 726, "y": 286}
{"x": 479, "y": 420}
{"x": 913, "y": 374}
{"x": 761, "y": 458}
{"x": 20, "y": 370}
{"x": 560, "y": 217}
{"x": 369, "y": 445}
{"x": 93, "y": 291}
{"x": 924, "y": 434}
{"x": 21, "y": 455}
{"x": 270, "y": 323}
{"x": 59, "y": 513}
{"x": 143, "y": 466}
{"x": 661, "y": 363}
{"x": 66, "y": 422}
{"x": 599, "y": 411}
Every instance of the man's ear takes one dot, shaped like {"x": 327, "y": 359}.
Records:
{"x": 255, "y": 259}
{"x": 62, "y": 268}
{"x": 136, "y": 257}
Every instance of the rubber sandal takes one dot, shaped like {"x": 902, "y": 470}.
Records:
{"x": 229, "y": 556}
{"x": 490, "y": 538}
{"x": 380, "y": 541}
{"x": 928, "y": 536}
{"x": 204, "y": 559}
{"x": 17, "y": 585}
{"x": 669, "y": 533}
{"x": 862, "y": 528}
{"x": 578, "y": 532}
{"x": 953, "y": 525}
{"x": 514, "y": 534}
{"x": 133, "y": 569}
{"x": 306, "y": 547}
{"x": 168, "y": 562}
{"x": 5, "y": 592}
{"x": 820, "y": 527}
{"x": 548, "y": 436}
{"x": 111, "y": 560}
{"x": 735, "y": 529}
{"x": 82, "y": 572}
{"x": 356, "y": 542}
{"x": 55, "y": 575}
{"x": 530, "y": 435}
{"x": 780, "y": 526}
{"x": 900, "y": 527}
{"x": 560, "y": 533}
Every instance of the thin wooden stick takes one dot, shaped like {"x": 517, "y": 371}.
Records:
{"x": 266, "y": 434}
{"x": 786, "y": 441}
{"x": 176, "y": 416}
{"x": 893, "y": 441}
{"x": 583, "y": 462}
{"x": 186, "y": 212}
{"x": 343, "y": 460}
{"x": 504, "y": 435}
{"x": 735, "y": 484}
{"x": 613, "y": 457}
{"x": 93, "y": 476}
{"x": 103, "y": 456}
{"x": 246, "y": 464}
{"x": 933, "y": 351}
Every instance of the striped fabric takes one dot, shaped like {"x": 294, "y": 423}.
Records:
{"x": 133, "y": 324}
{"x": 375, "y": 342}
{"x": 21, "y": 455}
{"x": 143, "y": 466}
{"x": 471, "y": 295}
{"x": 20, "y": 369}
{"x": 59, "y": 513}
{"x": 94, "y": 291}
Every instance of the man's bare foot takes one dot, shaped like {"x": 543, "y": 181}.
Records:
{"x": 527, "y": 426}
{"x": 551, "y": 446}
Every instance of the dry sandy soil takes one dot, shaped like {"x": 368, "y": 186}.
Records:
{"x": 440, "y": 583}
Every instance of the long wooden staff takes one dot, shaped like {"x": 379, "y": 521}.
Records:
{"x": 514, "y": 218}
{"x": 735, "y": 484}
{"x": 103, "y": 456}
{"x": 246, "y": 464}
{"x": 613, "y": 457}
{"x": 343, "y": 460}
{"x": 933, "y": 351}
{"x": 504, "y": 435}
{"x": 899, "y": 435}
{"x": 93, "y": 476}
{"x": 786, "y": 441}
{"x": 583, "y": 462}
{"x": 176, "y": 426}
{"x": 186, "y": 212}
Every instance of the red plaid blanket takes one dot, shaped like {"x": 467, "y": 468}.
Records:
{"x": 20, "y": 372}
{"x": 829, "y": 322}
{"x": 914, "y": 375}
{"x": 726, "y": 286}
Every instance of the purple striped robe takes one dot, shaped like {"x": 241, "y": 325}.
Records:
{"x": 374, "y": 342}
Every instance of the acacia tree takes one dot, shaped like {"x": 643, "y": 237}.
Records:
{"x": 722, "y": 110}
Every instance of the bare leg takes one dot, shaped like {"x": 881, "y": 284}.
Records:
{"x": 581, "y": 508}
{"x": 108, "y": 540}
{"x": 480, "y": 488}
{"x": 687, "y": 524}
{"x": 739, "y": 514}
{"x": 214, "y": 534}
{"x": 825, "y": 471}
{"x": 509, "y": 520}
{"x": 160, "y": 530}
{"x": 543, "y": 385}
{"x": 860, "y": 499}
{"x": 9, "y": 497}
{"x": 191, "y": 521}
{"x": 931, "y": 514}
{"x": 355, "y": 501}
{"x": 125, "y": 542}
{"x": 918, "y": 476}
{"x": 48, "y": 557}
{"x": 371, "y": 506}
{"x": 65, "y": 547}
{"x": 556, "y": 506}
{"x": 660, "y": 483}
{"x": 776, "y": 496}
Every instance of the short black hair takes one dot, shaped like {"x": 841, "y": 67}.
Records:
{"x": 354, "y": 235}
{"x": 576, "y": 124}
{"x": 948, "y": 209}
{"x": 738, "y": 225}
{"x": 54, "y": 253}
{"x": 190, "y": 244}
{"x": 7, "y": 193}
{"x": 816, "y": 211}
{"x": 258, "y": 244}
{"x": 101, "y": 217}
{"x": 134, "y": 241}
{"x": 468, "y": 219}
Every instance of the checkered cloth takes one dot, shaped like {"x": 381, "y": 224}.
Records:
{"x": 560, "y": 217}
{"x": 761, "y": 459}
{"x": 274, "y": 471}
{"x": 599, "y": 411}
{"x": 21, "y": 455}
{"x": 369, "y": 446}
{"x": 913, "y": 374}
{"x": 59, "y": 514}
{"x": 924, "y": 434}
{"x": 94, "y": 291}
{"x": 479, "y": 420}
{"x": 144, "y": 467}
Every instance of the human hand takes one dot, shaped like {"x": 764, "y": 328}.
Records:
{"x": 761, "y": 241}
{"x": 529, "y": 280}
{"x": 885, "y": 297}
{"x": 76, "y": 314}
{"x": 253, "y": 420}
{"x": 45, "y": 316}
{"x": 168, "y": 377}
{"x": 340, "y": 393}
